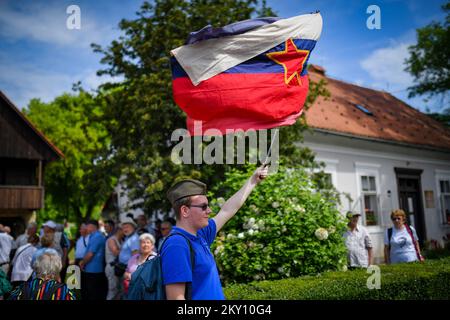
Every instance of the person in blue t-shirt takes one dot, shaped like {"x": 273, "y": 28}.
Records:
{"x": 188, "y": 198}
{"x": 131, "y": 242}
{"x": 94, "y": 285}
{"x": 81, "y": 244}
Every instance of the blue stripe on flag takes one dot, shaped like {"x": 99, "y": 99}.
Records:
{"x": 258, "y": 64}
{"x": 240, "y": 27}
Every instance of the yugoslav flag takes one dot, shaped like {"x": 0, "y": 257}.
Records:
{"x": 247, "y": 75}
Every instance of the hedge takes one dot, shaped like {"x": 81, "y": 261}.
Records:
{"x": 421, "y": 281}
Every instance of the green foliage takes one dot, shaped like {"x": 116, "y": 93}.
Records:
{"x": 141, "y": 114}
{"x": 429, "y": 60}
{"x": 443, "y": 117}
{"x": 273, "y": 235}
{"x": 421, "y": 281}
{"x": 77, "y": 185}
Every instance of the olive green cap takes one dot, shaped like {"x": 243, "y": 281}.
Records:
{"x": 351, "y": 214}
{"x": 186, "y": 188}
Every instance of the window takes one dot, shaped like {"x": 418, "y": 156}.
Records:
{"x": 368, "y": 184}
{"x": 369, "y": 198}
{"x": 445, "y": 199}
{"x": 363, "y": 109}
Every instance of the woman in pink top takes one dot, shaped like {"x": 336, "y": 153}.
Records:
{"x": 147, "y": 244}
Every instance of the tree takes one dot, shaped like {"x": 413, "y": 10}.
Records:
{"x": 443, "y": 117}
{"x": 78, "y": 185}
{"x": 429, "y": 60}
{"x": 141, "y": 114}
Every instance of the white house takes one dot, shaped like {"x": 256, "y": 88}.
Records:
{"x": 386, "y": 155}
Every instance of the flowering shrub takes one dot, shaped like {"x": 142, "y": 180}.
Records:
{"x": 285, "y": 229}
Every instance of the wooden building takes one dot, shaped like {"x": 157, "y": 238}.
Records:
{"x": 24, "y": 153}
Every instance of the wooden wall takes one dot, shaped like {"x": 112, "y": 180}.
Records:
{"x": 21, "y": 197}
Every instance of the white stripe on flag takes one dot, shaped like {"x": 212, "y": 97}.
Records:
{"x": 205, "y": 59}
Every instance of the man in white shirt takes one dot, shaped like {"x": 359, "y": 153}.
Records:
{"x": 21, "y": 264}
{"x": 11, "y": 238}
{"x": 5, "y": 249}
{"x": 358, "y": 243}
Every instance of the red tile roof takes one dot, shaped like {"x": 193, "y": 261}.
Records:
{"x": 392, "y": 120}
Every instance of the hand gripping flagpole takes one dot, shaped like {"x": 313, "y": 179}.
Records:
{"x": 269, "y": 152}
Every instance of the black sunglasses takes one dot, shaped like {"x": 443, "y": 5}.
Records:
{"x": 201, "y": 206}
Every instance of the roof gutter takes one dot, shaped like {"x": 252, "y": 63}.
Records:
{"x": 371, "y": 139}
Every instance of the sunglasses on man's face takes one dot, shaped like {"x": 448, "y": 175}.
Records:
{"x": 204, "y": 206}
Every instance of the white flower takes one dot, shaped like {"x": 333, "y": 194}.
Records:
{"x": 220, "y": 201}
{"x": 280, "y": 270}
{"x": 231, "y": 236}
{"x": 321, "y": 234}
{"x": 250, "y": 232}
{"x": 275, "y": 204}
{"x": 299, "y": 208}
{"x": 251, "y": 221}
{"x": 331, "y": 229}
{"x": 344, "y": 267}
{"x": 254, "y": 208}
{"x": 218, "y": 250}
{"x": 240, "y": 235}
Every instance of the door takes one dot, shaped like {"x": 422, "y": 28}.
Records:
{"x": 410, "y": 200}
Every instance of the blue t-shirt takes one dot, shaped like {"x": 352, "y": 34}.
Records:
{"x": 176, "y": 263}
{"x": 96, "y": 245}
{"x": 131, "y": 244}
{"x": 80, "y": 247}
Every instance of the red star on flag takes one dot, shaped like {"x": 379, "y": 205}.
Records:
{"x": 292, "y": 59}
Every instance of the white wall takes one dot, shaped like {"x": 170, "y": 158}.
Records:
{"x": 346, "y": 156}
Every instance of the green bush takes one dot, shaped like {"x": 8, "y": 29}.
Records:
{"x": 286, "y": 228}
{"x": 428, "y": 280}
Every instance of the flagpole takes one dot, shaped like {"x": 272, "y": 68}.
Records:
{"x": 265, "y": 163}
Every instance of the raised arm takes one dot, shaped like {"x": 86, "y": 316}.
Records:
{"x": 232, "y": 205}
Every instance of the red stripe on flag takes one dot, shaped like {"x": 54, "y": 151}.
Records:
{"x": 263, "y": 97}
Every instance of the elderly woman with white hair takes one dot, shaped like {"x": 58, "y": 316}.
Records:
{"x": 146, "y": 252}
{"x": 47, "y": 284}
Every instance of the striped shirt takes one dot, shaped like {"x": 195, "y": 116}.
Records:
{"x": 39, "y": 289}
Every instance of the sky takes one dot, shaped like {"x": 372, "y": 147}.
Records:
{"x": 41, "y": 58}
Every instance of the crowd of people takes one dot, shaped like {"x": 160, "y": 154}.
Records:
{"x": 106, "y": 253}
{"x": 109, "y": 255}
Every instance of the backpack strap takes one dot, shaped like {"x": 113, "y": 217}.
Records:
{"x": 188, "y": 290}
{"x": 413, "y": 240}
{"x": 18, "y": 253}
